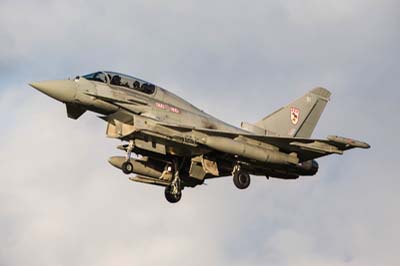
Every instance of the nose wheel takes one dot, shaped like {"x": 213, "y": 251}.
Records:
{"x": 127, "y": 167}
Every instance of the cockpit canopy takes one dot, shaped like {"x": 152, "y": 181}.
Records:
{"x": 122, "y": 80}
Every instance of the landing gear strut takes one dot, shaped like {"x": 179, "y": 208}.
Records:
{"x": 127, "y": 166}
{"x": 173, "y": 192}
{"x": 241, "y": 178}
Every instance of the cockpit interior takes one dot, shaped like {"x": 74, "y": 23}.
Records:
{"x": 122, "y": 80}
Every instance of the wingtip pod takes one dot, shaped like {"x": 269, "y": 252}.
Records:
{"x": 349, "y": 141}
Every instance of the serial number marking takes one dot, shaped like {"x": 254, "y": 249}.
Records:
{"x": 168, "y": 108}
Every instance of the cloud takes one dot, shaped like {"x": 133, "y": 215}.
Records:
{"x": 61, "y": 203}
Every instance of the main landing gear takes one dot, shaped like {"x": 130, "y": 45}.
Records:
{"x": 173, "y": 192}
{"x": 241, "y": 177}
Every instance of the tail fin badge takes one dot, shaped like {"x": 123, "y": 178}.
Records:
{"x": 294, "y": 115}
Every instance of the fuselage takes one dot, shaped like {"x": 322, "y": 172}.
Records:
{"x": 95, "y": 91}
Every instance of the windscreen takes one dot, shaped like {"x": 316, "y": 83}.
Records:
{"x": 97, "y": 76}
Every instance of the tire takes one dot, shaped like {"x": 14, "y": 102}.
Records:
{"x": 172, "y": 198}
{"x": 241, "y": 179}
{"x": 127, "y": 167}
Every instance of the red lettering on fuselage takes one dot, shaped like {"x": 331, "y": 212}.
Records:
{"x": 167, "y": 107}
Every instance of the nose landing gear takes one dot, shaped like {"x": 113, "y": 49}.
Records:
{"x": 127, "y": 166}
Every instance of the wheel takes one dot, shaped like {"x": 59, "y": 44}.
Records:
{"x": 127, "y": 167}
{"x": 241, "y": 179}
{"x": 172, "y": 198}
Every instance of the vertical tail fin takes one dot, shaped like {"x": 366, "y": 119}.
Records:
{"x": 299, "y": 118}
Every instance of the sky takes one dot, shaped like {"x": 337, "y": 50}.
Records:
{"x": 62, "y": 203}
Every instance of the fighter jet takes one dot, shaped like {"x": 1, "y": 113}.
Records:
{"x": 178, "y": 145}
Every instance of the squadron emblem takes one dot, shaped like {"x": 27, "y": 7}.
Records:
{"x": 294, "y": 115}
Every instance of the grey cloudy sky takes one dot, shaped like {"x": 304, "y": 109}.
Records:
{"x": 61, "y": 203}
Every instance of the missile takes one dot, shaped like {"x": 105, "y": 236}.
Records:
{"x": 247, "y": 150}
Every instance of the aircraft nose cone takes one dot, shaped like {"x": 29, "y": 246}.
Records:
{"x": 61, "y": 90}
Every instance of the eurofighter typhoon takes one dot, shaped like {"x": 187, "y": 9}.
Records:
{"x": 179, "y": 145}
